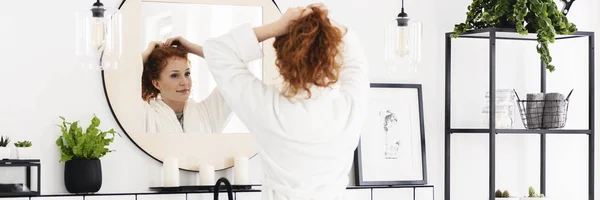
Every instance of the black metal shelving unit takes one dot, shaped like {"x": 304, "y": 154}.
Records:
{"x": 493, "y": 35}
{"x": 27, "y": 164}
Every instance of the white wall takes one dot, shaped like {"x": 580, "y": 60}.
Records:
{"x": 40, "y": 80}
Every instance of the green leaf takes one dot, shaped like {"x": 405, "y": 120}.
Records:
{"x": 70, "y": 136}
{"x": 550, "y": 68}
{"x": 64, "y": 157}
{"x": 94, "y": 124}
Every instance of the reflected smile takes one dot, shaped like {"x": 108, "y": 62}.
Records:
{"x": 183, "y": 90}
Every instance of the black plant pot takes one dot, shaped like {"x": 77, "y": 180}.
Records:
{"x": 83, "y": 176}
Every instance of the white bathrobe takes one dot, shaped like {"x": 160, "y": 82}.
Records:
{"x": 211, "y": 115}
{"x": 306, "y": 145}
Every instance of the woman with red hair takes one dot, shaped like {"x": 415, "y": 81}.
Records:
{"x": 307, "y": 132}
{"x": 166, "y": 84}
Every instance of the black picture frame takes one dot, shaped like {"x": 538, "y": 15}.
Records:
{"x": 360, "y": 179}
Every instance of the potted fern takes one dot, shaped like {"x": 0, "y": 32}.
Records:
{"x": 504, "y": 195}
{"x": 4, "y": 150}
{"x": 81, "y": 151}
{"x": 534, "y": 196}
{"x": 526, "y": 16}
{"x": 24, "y": 150}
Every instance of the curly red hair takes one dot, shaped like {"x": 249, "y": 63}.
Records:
{"x": 157, "y": 61}
{"x": 307, "y": 55}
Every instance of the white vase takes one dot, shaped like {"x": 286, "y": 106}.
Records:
{"x": 24, "y": 153}
{"x": 535, "y": 198}
{"x": 4, "y": 153}
{"x": 507, "y": 198}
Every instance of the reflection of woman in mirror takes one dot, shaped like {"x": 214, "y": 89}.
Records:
{"x": 307, "y": 131}
{"x": 166, "y": 84}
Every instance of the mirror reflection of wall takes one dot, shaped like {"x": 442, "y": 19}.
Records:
{"x": 197, "y": 23}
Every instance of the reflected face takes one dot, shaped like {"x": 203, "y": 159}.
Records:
{"x": 175, "y": 80}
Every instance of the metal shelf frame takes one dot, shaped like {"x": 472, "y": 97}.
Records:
{"x": 493, "y": 35}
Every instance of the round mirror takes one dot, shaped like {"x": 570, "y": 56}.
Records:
{"x": 176, "y": 111}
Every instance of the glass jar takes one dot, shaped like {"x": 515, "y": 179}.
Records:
{"x": 504, "y": 116}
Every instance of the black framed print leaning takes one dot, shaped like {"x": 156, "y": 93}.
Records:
{"x": 391, "y": 150}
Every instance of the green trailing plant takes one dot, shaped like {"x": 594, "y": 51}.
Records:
{"x": 526, "y": 16}
{"x": 74, "y": 143}
{"x": 23, "y": 144}
{"x": 532, "y": 193}
{"x": 4, "y": 141}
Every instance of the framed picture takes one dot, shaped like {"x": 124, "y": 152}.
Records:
{"x": 392, "y": 145}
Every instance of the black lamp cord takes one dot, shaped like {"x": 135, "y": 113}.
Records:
{"x": 402, "y": 9}
{"x": 402, "y": 13}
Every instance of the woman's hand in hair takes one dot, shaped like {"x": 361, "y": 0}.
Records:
{"x": 320, "y": 6}
{"x": 151, "y": 46}
{"x": 296, "y": 13}
{"x": 187, "y": 45}
{"x": 293, "y": 14}
{"x": 280, "y": 27}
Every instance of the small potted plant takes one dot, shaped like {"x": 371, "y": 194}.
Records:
{"x": 4, "y": 150}
{"x": 81, "y": 151}
{"x": 534, "y": 196}
{"x": 500, "y": 195}
{"x": 24, "y": 150}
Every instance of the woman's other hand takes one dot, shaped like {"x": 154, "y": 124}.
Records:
{"x": 187, "y": 45}
{"x": 151, "y": 46}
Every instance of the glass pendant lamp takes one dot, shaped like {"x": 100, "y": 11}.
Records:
{"x": 98, "y": 37}
{"x": 403, "y": 41}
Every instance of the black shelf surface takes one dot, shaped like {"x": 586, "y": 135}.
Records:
{"x": 520, "y": 131}
{"x": 19, "y": 194}
{"x": 512, "y": 34}
{"x": 31, "y": 194}
{"x": 192, "y": 188}
{"x": 388, "y": 186}
{"x": 15, "y": 161}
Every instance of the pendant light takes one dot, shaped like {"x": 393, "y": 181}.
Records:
{"x": 98, "y": 37}
{"x": 403, "y": 42}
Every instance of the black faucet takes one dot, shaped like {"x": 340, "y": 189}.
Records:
{"x": 223, "y": 180}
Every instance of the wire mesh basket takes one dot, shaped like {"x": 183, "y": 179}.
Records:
{"x": 544, "y": 112}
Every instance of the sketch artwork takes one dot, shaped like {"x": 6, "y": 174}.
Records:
{"x": 391, "y": 146}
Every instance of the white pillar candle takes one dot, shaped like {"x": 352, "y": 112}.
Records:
{"x": 171, "y": 172}
{"x": 240, "y": 170}
{"x": 206, "y": 174}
